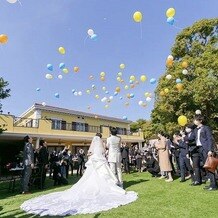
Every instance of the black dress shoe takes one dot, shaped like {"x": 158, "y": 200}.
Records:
{"x": 182, "y": 180}
{"x": 195, "y": 184}
{"x": 211, "y": 189}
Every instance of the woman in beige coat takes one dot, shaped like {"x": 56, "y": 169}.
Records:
{"x": 164, "y": 157}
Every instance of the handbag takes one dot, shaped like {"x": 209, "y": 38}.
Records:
{"x": 211, "y": 164}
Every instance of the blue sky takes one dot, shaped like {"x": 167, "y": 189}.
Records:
{"x": 36, "y": 29}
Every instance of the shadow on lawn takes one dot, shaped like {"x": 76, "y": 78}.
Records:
{"x": 127, "y": 184}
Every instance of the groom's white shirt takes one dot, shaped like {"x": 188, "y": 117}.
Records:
{"x": 114, "y": 152}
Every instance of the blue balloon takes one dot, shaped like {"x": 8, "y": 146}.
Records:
{"x": 57, "y": 95}
{"x": 94, "y": 37}
{"x": 132, "y": 95}
{"x": 73, "y": 90}
{"x": 106, "y": 92}
{"x": 38, "y": 89}
{"x": 124, "y": 117}
{"x": 121, "y": 97}
{"x": 170, "y": 20}
{"x": 178, "y": 81}
{"x": 115, "y": 93}
{"x": 131, "y": 82}
{"x": 62, "y": 66}
{"x": 153, "y": 81}
{"x": 50, "y": 67}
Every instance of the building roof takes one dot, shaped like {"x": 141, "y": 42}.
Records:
{"x": 38, "y": 106}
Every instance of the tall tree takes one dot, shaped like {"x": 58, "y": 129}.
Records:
{"x": 195, "y": 54}
{"x": 4, "y": 93}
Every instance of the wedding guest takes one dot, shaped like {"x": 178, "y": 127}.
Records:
{"x": 138, "y": 158}
{"x": 125, "y": 157}
{"x": 152, "y": 165}
{"x": 43, "y": 162}
{"x": 164, "y": 159}
{"x": 81, "y": 162}
{"x": 70, "y": 161}
{"x": 203, "y": 137}
{"x": 28, "y": 163}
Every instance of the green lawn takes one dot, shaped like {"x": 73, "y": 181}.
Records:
{"x": 156, "y": 199}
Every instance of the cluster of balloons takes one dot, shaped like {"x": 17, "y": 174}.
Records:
{"x": 170, "y": 13}
{"x": 92, "y": 34}
{"x": 3, "y": 38}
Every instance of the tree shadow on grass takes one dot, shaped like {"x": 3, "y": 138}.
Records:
{"x": 127, "y": 184}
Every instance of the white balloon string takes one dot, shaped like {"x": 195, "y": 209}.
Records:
{"x": 141, "y": 29}
{"x": 19, "y": 2}
{"x": 178, "y": 27}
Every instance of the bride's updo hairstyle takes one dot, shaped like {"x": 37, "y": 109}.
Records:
{"x": 98, "y": 134}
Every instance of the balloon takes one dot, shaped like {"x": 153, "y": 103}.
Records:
{"x": 88, "y": 107}
{"x": 127, "y": 104}
{"x": 147, "y": 94}
{"x": 143, "y": 78}
{"x": 60, "y": 77}
{"x": 119, "y": 79}
{"x": 88, "y": 91}
{"x": 50, "y": 67}
{"x": 122, "y": 81}
{"x": 61, "y": 50}
{"x": 179, "y": 86}
{"x": 137, "y": 16}
{"x": 104, "y": 88}
{"x": 91, "y": 77}
{"x": 185, "y": 72}
{"x": 169, "y": 63}
{"x": 76, "y": 69}
{"x": 170, "y": 12}
{"x": 117, "y": 89}
{"x": 75, "y": 93}
{"x": 43, "y": 104}
{"x": 148, "y": 99}
{"x": 3, "y": 38}
{"x": 121, "y": 97}
{"x": 126, "y": 87}
{"x": 182, "y": 120}
{"x": 93, "y": 87}
{"x": 170, "y": 20}
{"x": 168, "y": 76}
{"x": 62, "y": 66}
{"x": 97, "y": 96}
{"x": 140, "y": 103}
{"x": 184, "y": 64}
{"x": 106, "y": 106}
{"x": 198, "y": 112}
{"x": 178, "y": 80}
{"x": 65, "y": 70}
{"x": 79, "y": 93}
{"x": 153, "y": 81}
{"x": 120, "y": 74}
{"x": 128, "y": 95}
{"x": 102, "y": 78}
{"x": 131, "y": 82}
{"x": 170, "y": 57}
{"x": 37, "y": 89}
{"x": 122, "y": 66}
{"x": 94, "y": 37}
{"x": 90, "y": 32}
{"x": 48, "y": 76}
{"x": 106, "y": 92}
{"x": 57, "y": 95}
{"x": 132, "y": 86}
{"x": 104, "y": 99}
{"x": 12, "y": 1}
{"x": 115, "y": 93}
{"x": 132, "y": 78}
{"x": 73, "y": 90}
{"x": 136, "y": 82}
{"x": 96, "y": 117}
{"x": 132, "y": 95}
{"x": 111, "y": 97}
{"x": 124, "y": 117}
{"x": 102, "y": 74}
{"x": 166, "y": 90}
{"x": 162, "y": 93}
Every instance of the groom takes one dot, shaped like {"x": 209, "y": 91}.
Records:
{"x": 114, "y": 154}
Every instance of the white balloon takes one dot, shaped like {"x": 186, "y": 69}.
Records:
{"x": 140, "y": 103}
{"x": 12, "y": 1}
{"x": 104, "y": 99}
{"x": 111, "y": 97}
{"x": 79, "y": 93}
{"x": 43, "y": 104}
{"x": 60, "y": 77}
{"x": 170, "y": 57}
{"x": 90, "y": 32}
{"x": 148, "y": 99}
{"x": 185, "y": 72}
{"x": 104, "y": 88}
{"x": 48, "y": 76}
{"x": 197, "y": 112}
{"x": 168, "y": 76}
{"x": 75, "y": 93}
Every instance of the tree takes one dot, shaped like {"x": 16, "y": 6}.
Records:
{"x": 4, "y": 93}
{"x": 198, "y": 47}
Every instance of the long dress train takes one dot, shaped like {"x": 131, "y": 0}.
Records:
{"x": 96, "y": 191}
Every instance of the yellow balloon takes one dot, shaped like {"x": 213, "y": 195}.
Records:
{"x": 126, "y": 87}
{"x": 97, "y": 96}
{"x": 102, "y": 78}
{"x": 65, "y": 70}
{"x": 76, "y": 69}
{"x": 143, "y": 78}
{"x": 106, "y": 106}
{"x": 166, "y": 90}
{"x": 122, "y": 66}
{"x": 182, "y": 120}
{"x": 88, "y": 91}
{"x": 119, "y": 79}
{"x": 132, "y": 78}
{"x": 170, "y": 12}
{"x": 137, "y": 16}
{"x": 102, "y": 74}
{"x": 61, "y": 50}
{"x": 120, "y": 74}
{"x": 117, "y": 89}
{"x": 3, "y": 38}
{"x": 147, "y": 94}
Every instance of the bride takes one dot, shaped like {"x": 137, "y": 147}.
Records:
{"x": 96, "y": 191}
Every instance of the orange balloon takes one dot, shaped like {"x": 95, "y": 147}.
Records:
{"x": 76, "y": 69}
{"x": 179, "y": 86}
{"x": 3, "y": 38}
{"x": 184, "y": 64}
{"x": 117, "y": 89}
{"x": 102, "y": 78}
{"x": 169, "y": 63}
{"x": 162, "y": 93}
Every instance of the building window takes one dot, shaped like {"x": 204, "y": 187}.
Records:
{"x": 82, "y": 127}
{"x": 121, "y": 131}
{"x": 56, "y": 124}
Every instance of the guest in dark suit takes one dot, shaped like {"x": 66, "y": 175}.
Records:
{"x": 81, "y": 162}
{"x": 28, "y": 163}
{"x": 125, "y": 157}
{"x": 43, "y": 162}
{"x": 204, "y": 141}
{"x": 152, "y": 165}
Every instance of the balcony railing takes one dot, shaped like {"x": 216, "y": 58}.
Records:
{"x": 26, "y": 122}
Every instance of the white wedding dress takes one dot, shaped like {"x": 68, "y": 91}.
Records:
{"x": 95, "y": 191}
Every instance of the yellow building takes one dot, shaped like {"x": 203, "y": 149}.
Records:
{"x": 63, "y": 127}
